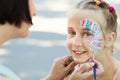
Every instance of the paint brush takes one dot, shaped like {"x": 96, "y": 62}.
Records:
{"x": 94, "y": 67}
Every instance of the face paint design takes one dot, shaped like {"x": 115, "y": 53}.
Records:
{"x": 96, "y": 41}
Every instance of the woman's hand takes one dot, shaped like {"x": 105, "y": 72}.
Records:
{"x": 61, "y": 68}
{"x": 85, "y": 71}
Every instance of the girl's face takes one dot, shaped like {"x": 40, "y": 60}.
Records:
{"x": 23, "y": 31}
{"x": 84, "y": 39}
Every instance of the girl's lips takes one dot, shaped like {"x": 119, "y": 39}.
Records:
{"x": 78, "y": 53}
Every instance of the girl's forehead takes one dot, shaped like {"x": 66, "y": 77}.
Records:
{"x": 82, "y": 23}
{"x": 94, "y": 16}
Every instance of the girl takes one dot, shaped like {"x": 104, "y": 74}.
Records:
{"x": 92, "y": 27}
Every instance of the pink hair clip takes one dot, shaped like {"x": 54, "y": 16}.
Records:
{"x": 111, "y": 9}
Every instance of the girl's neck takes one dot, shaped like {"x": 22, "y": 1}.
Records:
{"x": 109, "y": 63}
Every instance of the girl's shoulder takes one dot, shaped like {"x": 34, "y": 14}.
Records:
{"x": 118, "y": 77}
{"x": 117, "y": 74}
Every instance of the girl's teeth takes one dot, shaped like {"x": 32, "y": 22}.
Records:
{"x": 80, "y": 52}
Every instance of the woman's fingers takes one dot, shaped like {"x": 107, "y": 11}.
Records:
{"x": 99, "y": 68}
{"x": 85, "y": 67}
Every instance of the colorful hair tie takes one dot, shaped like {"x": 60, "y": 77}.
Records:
{"x": 111, "y": 9}
{"x": 116, "y": 16}
{"x": 97, "y": 2}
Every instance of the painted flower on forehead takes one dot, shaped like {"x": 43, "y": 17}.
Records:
{"x": 96, "y": 41}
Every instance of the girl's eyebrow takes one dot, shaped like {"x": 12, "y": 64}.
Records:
{"x": 87, "y": 29}
{"x": 70, "y": 28}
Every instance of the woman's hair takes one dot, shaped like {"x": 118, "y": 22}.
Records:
{"x": 14, "y": 12}
{"x": 110, "y": 16}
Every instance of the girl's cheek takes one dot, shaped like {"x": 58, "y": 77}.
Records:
{"x": 69, "y": 47}
{"x": 68, "y": 44}
{"x": 87, "y": 41}
{"x": 87, "y": 46}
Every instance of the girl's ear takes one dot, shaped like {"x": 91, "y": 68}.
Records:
{"x": 111, "y": 39}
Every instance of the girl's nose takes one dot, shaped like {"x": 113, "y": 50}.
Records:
{"x": 77, "y": 41}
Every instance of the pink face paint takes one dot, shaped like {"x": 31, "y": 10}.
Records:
{"x": 96, "y": 41}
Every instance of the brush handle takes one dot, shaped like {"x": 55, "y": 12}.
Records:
{"x": 94, "y": 72}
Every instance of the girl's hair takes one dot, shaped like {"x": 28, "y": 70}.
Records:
{"x": 14, "y": 12}
{"x": 110, "y": 16}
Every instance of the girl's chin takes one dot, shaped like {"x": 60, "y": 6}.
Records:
{"x": 80, "y": 61}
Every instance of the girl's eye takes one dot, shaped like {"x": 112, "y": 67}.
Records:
{"x": 72, "y": 33}
{"x": 87, "y": 34}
